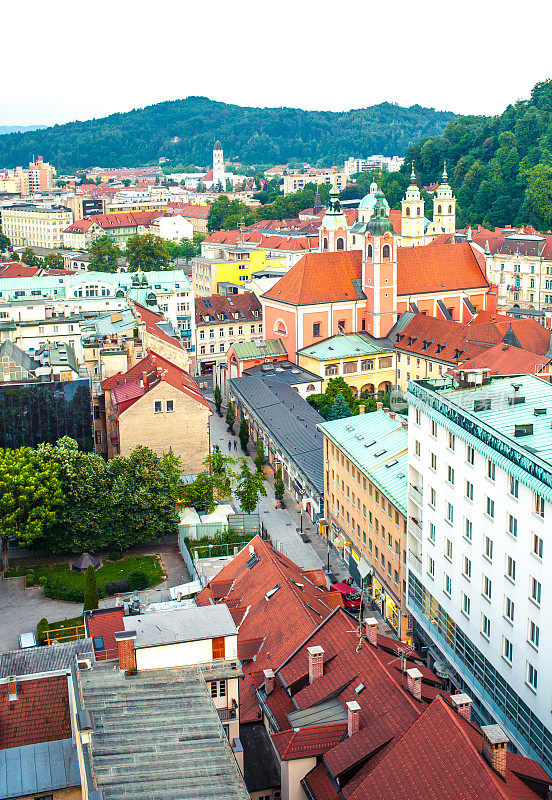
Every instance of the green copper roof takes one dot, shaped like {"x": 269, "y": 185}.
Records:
{"x": 264, "y": 349}
{"x": 484, "y": 418}
{"x": 378, "y": 446}
{"x": 344, "y": 346}
{"x": 380, "y": 222}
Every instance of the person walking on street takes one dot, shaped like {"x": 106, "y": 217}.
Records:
{"x": 229, "y": 446}
{"x": 235, "y": 444}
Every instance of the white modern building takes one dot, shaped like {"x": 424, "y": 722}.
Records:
{"x": 479, "y": 555}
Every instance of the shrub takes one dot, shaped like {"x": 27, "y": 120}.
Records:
{"x": 56, "y": 589}
{"x": 41, "y": 629}
{"x": 91, "y": 594}
{"x": 117, "y": 587}
{"x": 138, "y": 580}
{"x": 30, "y": 578}
{"x": 42, "y": 580}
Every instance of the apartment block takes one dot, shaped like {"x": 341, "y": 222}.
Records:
{"x": 29, "y": 225}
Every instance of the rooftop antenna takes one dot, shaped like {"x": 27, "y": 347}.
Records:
{"x": 241, "y": 225}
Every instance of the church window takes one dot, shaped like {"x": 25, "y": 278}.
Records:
{"x": 341, "y": 326}
{"x": 450, "y": 210}
{"x": 418, "y": 211}
{"x": 369, "y": 251}
{"x": 325, "y": 243}
{"x": 339, "y": 244}
{"x": 407, "y": 212}
{"x": 316, "y": 329}
{"x": 439, "y": 209}
{"x": 386, "y": 252}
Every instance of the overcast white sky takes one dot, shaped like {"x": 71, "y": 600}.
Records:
{"x": 66, "y": 59}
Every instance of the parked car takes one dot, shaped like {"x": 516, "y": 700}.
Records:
{"x": 27, "y": 640}
{"x": 351, "y": 598}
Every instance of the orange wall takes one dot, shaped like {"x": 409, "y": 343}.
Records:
{"x": 271, "y": 315}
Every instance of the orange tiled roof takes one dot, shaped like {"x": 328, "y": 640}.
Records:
{"x": 505, "y": 359}
{"x": 439, "y": 268}
{"x": 151, "y": 321}
{"x": 319, "y": 278}
{"x": 39, "y": 714}
{"x": 308, "y": 742}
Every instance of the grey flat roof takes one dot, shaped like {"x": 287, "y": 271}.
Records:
{"x": 36, "y": 660}
{"x": 158, "y": 735}
{"x": 181, "y": 625}
{"x": 260, "y": 765}
{"x": 321, "y": 714}
{"x": 37, "y": 768}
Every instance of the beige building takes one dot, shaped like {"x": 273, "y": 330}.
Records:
{"x": 365, "y": 482}
{"x": 157, "y": 404}
{"x": 221, "y": 321}
{"x": 29, "y": 225}
{"x": 81, "y": 234}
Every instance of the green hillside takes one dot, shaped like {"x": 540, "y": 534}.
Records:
{"x": 252, "y": 135}
{"x": 499, "y": 167}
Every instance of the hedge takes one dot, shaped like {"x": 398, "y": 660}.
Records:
{"x": 57, "y": 590}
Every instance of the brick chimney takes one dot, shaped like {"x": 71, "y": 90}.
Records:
{"x": 145, "y": 379}
{"x": 268, "y": 680}
{"x": 414, "y": 682}
{"x": 353, "y": 717}
{"x": 462, "y": 703}
{"x": 372, "y": 630}
{"x": 495, "y": 747}
{"x": 125, "y": 644}
{"x": 316, "y": 662}
{"x": 12, "y": 688}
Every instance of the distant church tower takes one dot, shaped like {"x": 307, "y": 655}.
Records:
{"x": 218, "y": 165}
{"x": 379, "y": 271}
{"x": 444, "y": 207}
{"x": 412, "y": 218}
{"x": 333, "y": 229}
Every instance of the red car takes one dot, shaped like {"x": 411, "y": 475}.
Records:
{"x": 349, "y": 595}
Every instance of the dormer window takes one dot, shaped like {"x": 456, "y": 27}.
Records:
{"x": 426, "y": 344}
{"x": 412, "y": 339}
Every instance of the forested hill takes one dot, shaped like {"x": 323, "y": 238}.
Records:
{"x": 499, "y": 167}
{"x": 252, "y": 135}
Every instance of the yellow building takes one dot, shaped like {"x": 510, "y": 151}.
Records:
{"x": 29, "y": 225}
{"x": 210, "y": 275}
{"x": 365, "y": 363}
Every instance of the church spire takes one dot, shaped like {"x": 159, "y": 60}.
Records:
{"x": 444, "y": 179}
{"x": 413, "y": 177}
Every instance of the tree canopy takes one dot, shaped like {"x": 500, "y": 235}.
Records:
{"x": 500, "y": 167}
{"x": 255, "y": 135}
{"x": 104, "y": 254}
{"x": 146, "y": 252}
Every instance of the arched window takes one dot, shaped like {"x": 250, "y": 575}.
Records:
{"x": 407, "y": 212}
{"x": 339, "y": 244}
{"x": 369, "y": 251}
{"x": 280, "y": 327}
{"x": 386, "y": 252}
{"x": 418, "y": 210}
{"x": 325, "y": 245}
{"x": 450, "y": 209}
{"x": 310, "y": 387}
{"x": 439, "y": 209}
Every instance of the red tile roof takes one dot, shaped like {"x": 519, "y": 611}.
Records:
{"x": 505, "y": 359}
{"x": 438, "y": 339}
{"x": 151, "y": 322}
{"x": 208, "y": 176}
{"x": 284, "y": 243}
{"x": 306, "y": 605}
{"x": 357, "y": 747}
{"x": 319, "y": 278}
{"x": 190, "y": 210}
{"x": 105, "y": 623}
{"x": 80, "y": 226}
{"x": 15, "y": 269}
{"x": 157, "y": 369}
{"x": 109, "y": 221}
{"x": 395, "y": 218}
{"x": 490, "y": 328}
{"x": 215, "y": 305}
{"x": 39, "y": 714}
{"x": 308, "y": 742}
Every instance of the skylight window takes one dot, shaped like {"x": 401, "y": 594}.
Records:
{"x": 379, "y": 453}
{"x": 369, "y": 444}
{"x": 208, "y": 304}
{"x": 391, "y": 464}
{"x": 271, "y": 592}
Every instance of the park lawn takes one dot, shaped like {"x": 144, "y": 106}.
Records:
{"x": 109, "y": 571}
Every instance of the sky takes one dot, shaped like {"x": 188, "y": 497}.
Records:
{"x": 76, "y": 60}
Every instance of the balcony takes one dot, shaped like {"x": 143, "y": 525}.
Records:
{"x": 414, "y": 561}
{"x": 415, "y": 495}
{"x": 227, "y": 714}
{"x": 415, "y": 527}
{"x": 217, "y": 670}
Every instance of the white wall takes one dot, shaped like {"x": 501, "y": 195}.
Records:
{"x": 182, "y": 654}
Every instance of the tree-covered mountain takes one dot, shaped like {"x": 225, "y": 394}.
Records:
{"x": 19, "y": 128}
{"x": 184, "y": 132}
{"x": 499, "y": 167}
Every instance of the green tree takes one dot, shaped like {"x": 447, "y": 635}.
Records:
{"x": 81, "y": 522}
{"x": 146, "y": 252}
{"x": 243, "y": 433}
{"x": 171, "y": 464}
{"x": 54, "y": 261}
{"x": 91, "y": 595}
{"x": 340, "y": 408}
{"x": 141, "y": 505}
{"x": 28, "y": 257}
{"x": 103, "y": 255}
{"x": 260, "y": 456}
{"x": 250, "y": 487}
{"x": 126, "y": 181}
{"x": 212, "y": 485}
{"x": 30, "y": 493}
{"x": 218, "y": 398}
{"x": 230, "y": 418}
{"x": 324, "y": 402}
{"x": 5, "y": 243}
{"x": 279, "y": 487}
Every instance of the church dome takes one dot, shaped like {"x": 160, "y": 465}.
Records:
{"x": 217, "y": 146}
{"x": 380, "y": 222}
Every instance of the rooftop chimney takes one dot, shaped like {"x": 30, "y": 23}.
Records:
{"x": 462, "y": 703}
{"x": 391, "y": 415}
{"x": 495, "y": 747}
{"x": 12, "y": 688}
{"x": 353, "y": 717}
{"x": 361, "y": 409}
{"x": 372, "y": 630}
{"x": 145, "y": 379}
{"x": 251, "y": 550}
{"x": 316, "y": 662}
{"x": 125, "y": 644}
{"x": 268, "y": 680}
{"x": 414, "y": 682}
